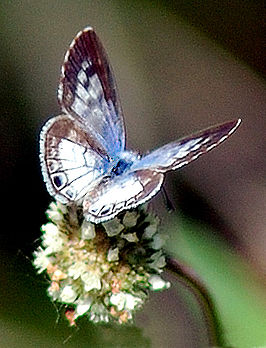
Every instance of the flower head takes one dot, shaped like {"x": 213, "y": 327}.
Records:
{"x": 104, "y": 270}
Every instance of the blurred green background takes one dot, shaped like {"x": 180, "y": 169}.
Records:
{"x": 180, "y": 66}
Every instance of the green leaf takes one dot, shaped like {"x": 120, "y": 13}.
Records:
{"x": 238, "y": 294}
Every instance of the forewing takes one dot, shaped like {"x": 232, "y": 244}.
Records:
{"x": 70, "y": 160}
{"x": 87, "y": 90}
{"x": 111, "y": 196}
{"x": 179, "y": 153}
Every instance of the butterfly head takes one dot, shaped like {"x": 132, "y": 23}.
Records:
{"x": 125, "y": 161}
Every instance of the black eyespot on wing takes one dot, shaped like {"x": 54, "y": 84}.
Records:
{"x": 59, "y": 180}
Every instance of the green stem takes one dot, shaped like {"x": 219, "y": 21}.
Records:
{"x": 189, "y": 278}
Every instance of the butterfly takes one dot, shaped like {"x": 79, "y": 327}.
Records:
{"x": 82, "y": 151}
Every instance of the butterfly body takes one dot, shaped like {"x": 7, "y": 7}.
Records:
{"x": 82, "y": 151}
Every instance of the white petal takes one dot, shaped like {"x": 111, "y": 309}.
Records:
{"x": 83, "y": 306}
{"x": 113, "y": 255}
{"x": 91, "y": 281}
{"x": 50, "y": 229}
{"x": 157, "y": 283}
{"x": 41, "y": 261}
{"x": 150, "y": 231}
{"x": 130, "y": 237}
{"x": 130, "y": 219}
{"x": 87, "y": 230}
{"x": 118, "y": 300}
{"x": 68, "y": 294}
{"x": 113, "y": 227}
{"x": 77, "y": 269}
{"x": 53, "y": 238}
{"x": 132, "y": 302}
{"x": 157, "y": 242}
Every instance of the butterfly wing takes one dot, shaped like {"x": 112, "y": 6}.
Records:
{"x": 78, "y": 147}
{"x": 109, "y": 197}
{"x": 87, "y": 91}
{"x": 70, "y": 158}
{"x": 145, "y": 177}
{"x": 179, "y": 153}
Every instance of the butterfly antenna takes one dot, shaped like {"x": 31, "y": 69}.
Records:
{"x": 168, "y": 203}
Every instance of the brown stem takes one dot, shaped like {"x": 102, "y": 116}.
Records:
{"x": 190, "y": 279}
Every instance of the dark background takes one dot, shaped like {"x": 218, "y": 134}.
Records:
{"x": 180, "y": 67}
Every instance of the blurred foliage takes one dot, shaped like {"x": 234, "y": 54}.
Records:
{"x": 238, "y": 294}
{"x": 236, "y": 25}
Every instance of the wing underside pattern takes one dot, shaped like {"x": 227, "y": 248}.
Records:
{"x": 70, "y": 162}
{"x": 108, "y": 198}
{"x": 179, "y": 153}
{"x": 87, "y": 91}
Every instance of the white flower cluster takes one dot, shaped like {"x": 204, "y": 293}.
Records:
{"x": 104, "y": 270}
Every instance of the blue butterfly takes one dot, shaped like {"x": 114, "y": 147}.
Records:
{"x": 82, "y": 151}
